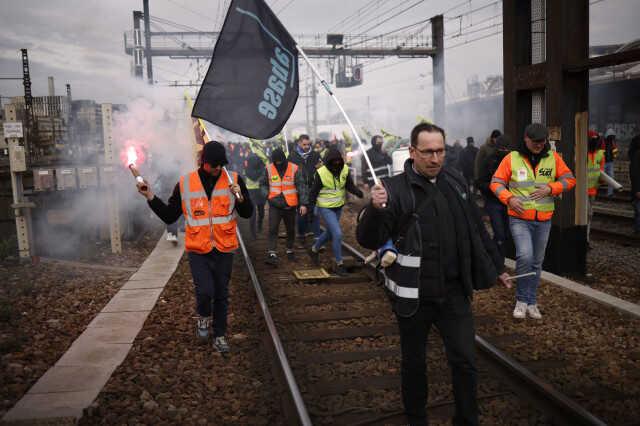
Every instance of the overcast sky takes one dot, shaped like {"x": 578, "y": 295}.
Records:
{"x": 81, "y": 42}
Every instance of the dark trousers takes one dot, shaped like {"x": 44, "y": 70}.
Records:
{"x": 211, "y": 273}
{"x": 289, "y": 217}
{"x": 257, "y": 217}
{"x": 454, "y": 320}
{"x": 309, "y": 223}
{"x": 499, "y": 222}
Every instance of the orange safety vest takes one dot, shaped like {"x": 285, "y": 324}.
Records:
{"x": 209, "y": 224}
{"x": 285, "y": 185}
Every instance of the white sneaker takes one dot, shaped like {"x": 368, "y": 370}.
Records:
{"x": 534, "y": 312}
{"x": 171, "y": 237}
{"x": 520, "y": 310}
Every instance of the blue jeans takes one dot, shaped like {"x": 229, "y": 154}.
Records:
{"x": 608, "y": 169}
{"x": 497, "y": 212}
{"x": 333, "y": 232}
{"x": 530, "y": 238}
{"x": 636, "y": 216}
{"x": 309, "y": 222}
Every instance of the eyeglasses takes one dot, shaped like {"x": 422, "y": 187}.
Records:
{"x": 426, "y": 153}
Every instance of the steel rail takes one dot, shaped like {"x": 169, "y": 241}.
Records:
{"x": 570, "y": 410}
{"x": 275, "y": 338}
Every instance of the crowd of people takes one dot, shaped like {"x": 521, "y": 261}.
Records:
{"x": 427, "y": 215}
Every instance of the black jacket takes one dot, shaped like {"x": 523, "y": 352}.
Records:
{"x": 307, "y": 166}
{"x": 479, "y": 260}
{"x": 467, "y": 160}
{"x": 634, "y": 166}
{"x": 486, "y": 171}
{"x": 378, "y": 159}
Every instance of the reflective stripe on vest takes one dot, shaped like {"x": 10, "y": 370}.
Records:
{"x": 524, "y": 182}
{"x": 593, "y": 170}
{"x": 333, "y": 193}
{"x": 285, "y": 185}
{"x": 209, "y": 224}
{"x": 252, "y": 184}
{"x": 405, "y": 292}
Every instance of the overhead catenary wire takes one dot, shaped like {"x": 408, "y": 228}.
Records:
{"x": 470, "y": 12}
{"x": 389, "y": 32}
{"x": 402, "y": 61}
{"x": 284, "y": 7}
{"x": 357, "y": 25}
{"x": 377, "y": 24}
{"x": 474, "y": 31}
{"x": 473, "y": 40}
{"x": 200, "y": 14}
{"x": 183, "y": 27}
{"x": 356, "y": 15}
{"x": 475, "y": 24}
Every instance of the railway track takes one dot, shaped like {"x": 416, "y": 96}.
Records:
{"x": 336, "y": 348}
{"x": 613, "y": 223}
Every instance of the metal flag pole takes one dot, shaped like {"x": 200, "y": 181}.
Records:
{"x": 286, "y": 142}
{"x": 224, "y": 169}
{"x": 353, "y": 129}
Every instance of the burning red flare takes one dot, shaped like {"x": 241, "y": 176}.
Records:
{"x": 132, "y": 156}
{"x": 132, "y": 153}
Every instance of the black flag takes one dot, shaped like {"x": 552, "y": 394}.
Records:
{"x": 251, "y": 86}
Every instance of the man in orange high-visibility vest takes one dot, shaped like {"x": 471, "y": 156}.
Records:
{"x": 527, "y": 180}
{"x": 209, "y": 203}
{"x": 287, "y": 191}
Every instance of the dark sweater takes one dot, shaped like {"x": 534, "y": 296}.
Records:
{"x": 170, "y": 212}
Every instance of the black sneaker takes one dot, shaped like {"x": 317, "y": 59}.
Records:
{"x": 272, "y": 259}
{"x": 341, "y": 271}
{"x": 301, "y": 242}
{"x": 291, "y": 255}
{"x": 315, "y": 256}
{"x": 220, "y": 344}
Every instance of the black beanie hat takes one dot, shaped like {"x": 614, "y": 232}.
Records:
{"x": 277, "y": 156}
{"x": 214, "y": 153}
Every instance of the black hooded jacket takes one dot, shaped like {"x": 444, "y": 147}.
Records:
{"x": 307, "y": 164}
{"x": 255, "y": 167}
{"x": 333, "y": 156}
{"x": 489, "y": 167}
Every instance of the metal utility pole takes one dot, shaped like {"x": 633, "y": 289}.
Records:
{"x": 17, "y": 165}
{"x": 437, "y": 37}
{"x": 28, "y": 105}
{"x": 110, "y": 159}
{"x": 147, "y": 40}
{"x": 137, "y": 45}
